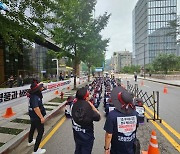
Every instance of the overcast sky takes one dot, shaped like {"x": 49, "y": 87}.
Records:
{"x": 119, "y": 28}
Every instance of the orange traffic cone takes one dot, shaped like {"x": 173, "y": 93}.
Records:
{"x": 9, "y": 113}
{"x": 153, "y": 145}
{"x": 56, "y": 92}
{"x": 165, "y": 91}
{"x": 142, "y": 83}
{"x": 122, "y": 86}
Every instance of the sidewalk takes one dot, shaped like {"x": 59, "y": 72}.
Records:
{"x": 9, "y": 141}
{"x": 169, "y": 82}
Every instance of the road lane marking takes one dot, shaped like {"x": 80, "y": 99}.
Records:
{"x": 166, "y": 135}
{"x": 146, "y": 86}
{"x": 172, "y": 130}
{"x": 52, "y": 132}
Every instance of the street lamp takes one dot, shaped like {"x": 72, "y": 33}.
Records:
{"x": 144, "y": 56}
{"x": 57, "y": 67}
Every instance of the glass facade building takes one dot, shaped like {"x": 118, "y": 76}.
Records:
{"x": 152, "y": 33}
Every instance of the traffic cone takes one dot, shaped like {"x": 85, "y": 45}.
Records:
{"x": 122, "y": 86}
{"x": 56, "y": 92}
{"x": 153, "y": 145}
{"x": 165, "y": 91}
{"x": 142, "y": 83}
{"x": 68, "y": 88}
{"x": 9, "y": 113}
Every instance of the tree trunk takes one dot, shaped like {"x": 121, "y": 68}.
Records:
{"x": 89, "y": 69}
{"x": 75, "y": 66}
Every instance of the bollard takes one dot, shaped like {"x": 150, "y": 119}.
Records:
{"x": 62, "y": 95}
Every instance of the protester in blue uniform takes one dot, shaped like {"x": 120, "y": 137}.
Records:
{"x": 109, "y": 106}
{"x": 138, "y": 102}
{"x": 68, "y": 106}
{"x": 121, "y": 124}
{"x": 36, "y": 113}
{"x": 83, "y": 115}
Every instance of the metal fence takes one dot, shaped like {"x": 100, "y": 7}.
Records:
{"x": 150, "y": 100}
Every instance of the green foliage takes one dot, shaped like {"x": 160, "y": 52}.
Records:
{"x": 131, "y": 69}
{"x": 77, "y": 32}
{"x": 84, "y": 67}
{"x": 174, "y": 25}
{"x": 149, "y": 68}
{"x": 24, "y": 20}
{"x": 165, "y": 62}
{"x": 94, "y": 46}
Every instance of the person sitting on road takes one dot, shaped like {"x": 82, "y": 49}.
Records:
{"x": 121, "y": 124}
{"x": 109, "y": 106}
{"x": 83, "y": 115}
{"x": 36, "y": 113}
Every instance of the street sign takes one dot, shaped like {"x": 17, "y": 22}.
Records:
{"x": 3, "y": 6}
{"x": 43, "y": 71}
{"x": 99, "y": 69}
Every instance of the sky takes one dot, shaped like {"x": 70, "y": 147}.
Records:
{"x": 119, "y": 28}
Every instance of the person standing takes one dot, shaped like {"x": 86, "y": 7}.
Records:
{"x": 36, "y": 113}
{"x": 121, "y": 124}
{"x": 135, "y": 76}
{"x": 83, "y": 115}
{"x": 19, "y": 81}
{"x": 10, "y": 81}
{"x": 61, "y": 77}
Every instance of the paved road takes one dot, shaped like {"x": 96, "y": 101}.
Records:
{"x": 169, "y": 103}
{"x": 62, "y": 141}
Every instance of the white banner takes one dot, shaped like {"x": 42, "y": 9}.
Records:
{"x": 9, "y": 94}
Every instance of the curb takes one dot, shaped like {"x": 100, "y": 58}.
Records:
{"x": 24, "y": 134}
{"x": 172, "y": 84}
{"x": 10, "y": 145}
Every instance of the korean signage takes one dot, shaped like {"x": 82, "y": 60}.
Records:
{"x": 9, "y": 94}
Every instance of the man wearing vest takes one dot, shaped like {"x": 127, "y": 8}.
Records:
{"x": 83, "y": 115}
{"x": 121, "y": 124}
{"x": 36, "y": 113}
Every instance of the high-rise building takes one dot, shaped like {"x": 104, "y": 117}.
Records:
{"x": 152, "y": 31}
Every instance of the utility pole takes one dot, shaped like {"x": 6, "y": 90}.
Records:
{"x": 57, "y": 67}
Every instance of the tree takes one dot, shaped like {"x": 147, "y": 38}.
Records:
{"x": 25, "y": 19}
{"x": 73, "y": 20}
{"x": 165, "y": 62}
{"x": 131, "y": 69}
{"x": 93, "y": 45}
{"x": 149, "y": 68}
{"x": 174, "y": 26}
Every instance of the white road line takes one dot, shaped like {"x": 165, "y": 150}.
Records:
{"x": 146, "y": 86}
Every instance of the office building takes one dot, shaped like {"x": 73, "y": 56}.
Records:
{"x": 120, "y": 60}
{"x": 152, "y": 33}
